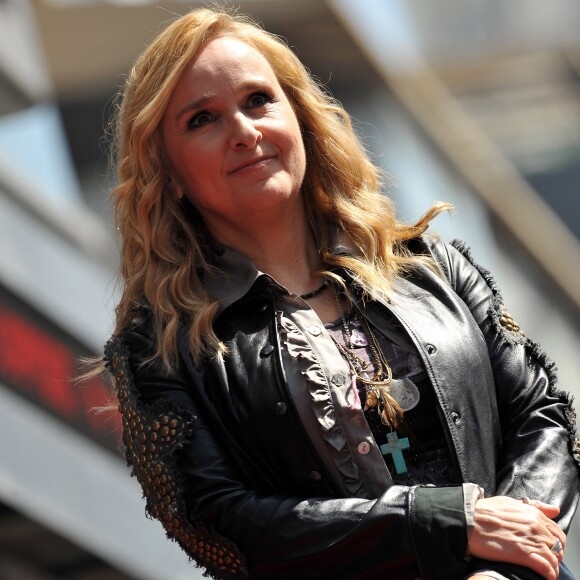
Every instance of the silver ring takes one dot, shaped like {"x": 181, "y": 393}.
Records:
{"x": 525, "y": 499}
{"x": 557, "y": 547}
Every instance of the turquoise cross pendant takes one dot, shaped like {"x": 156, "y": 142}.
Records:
{"x": 395, "y": 447}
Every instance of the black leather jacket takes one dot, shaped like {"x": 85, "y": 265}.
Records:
{"x": 232, "y": 476}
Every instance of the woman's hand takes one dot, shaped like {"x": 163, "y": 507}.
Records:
{"x": 509, "y": 530}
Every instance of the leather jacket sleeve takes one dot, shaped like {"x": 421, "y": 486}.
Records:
{"x": 540, "y": 448}
{"x": 221, "y": 521}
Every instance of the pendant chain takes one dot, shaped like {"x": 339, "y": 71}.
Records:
{"x": 378, "y": 388}
{"x": 383, "y": 374}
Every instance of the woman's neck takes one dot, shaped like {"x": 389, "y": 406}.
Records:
{"x": 283, "y": 248}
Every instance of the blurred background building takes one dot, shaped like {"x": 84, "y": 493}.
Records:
{"x": 475, "y": 102}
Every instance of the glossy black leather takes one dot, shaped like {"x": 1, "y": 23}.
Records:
{"x": 253, "y": 476}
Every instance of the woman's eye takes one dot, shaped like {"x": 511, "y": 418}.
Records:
{"x": 259, "y": 100}
{"x": 199, "y": 120}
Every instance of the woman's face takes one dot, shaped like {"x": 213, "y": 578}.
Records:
{"x": 231, "y": 137}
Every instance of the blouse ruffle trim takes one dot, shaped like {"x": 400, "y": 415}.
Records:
{"x": 322, "y": 405}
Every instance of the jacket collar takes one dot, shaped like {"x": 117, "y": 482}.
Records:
{"x": 236, "y": 275}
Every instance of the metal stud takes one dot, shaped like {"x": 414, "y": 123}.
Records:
{"x": 146, "y": 439}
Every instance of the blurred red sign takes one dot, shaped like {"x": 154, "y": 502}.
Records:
{"x": 43, "y": 367}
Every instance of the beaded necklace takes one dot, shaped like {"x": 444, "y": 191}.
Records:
{"x": 314, "y": 293}
{"x": 377, "y": 388}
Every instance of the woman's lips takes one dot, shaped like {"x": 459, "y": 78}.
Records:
{"x": 252, "y": 164}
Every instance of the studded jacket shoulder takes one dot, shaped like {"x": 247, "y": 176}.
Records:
{"x": 228, "y": 477}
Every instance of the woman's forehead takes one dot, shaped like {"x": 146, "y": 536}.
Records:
{"x": 227, "y": 60}
{"x": 220, "y": 51}
{"x": 225, "y": 64}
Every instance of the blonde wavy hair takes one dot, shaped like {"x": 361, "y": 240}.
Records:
{"x": 164, "y": 244}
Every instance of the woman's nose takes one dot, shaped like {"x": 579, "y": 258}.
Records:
{"x": 244, "y": 132}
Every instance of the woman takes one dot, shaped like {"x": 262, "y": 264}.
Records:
{"x": 310, "y": 389}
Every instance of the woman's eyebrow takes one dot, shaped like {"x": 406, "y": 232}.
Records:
{"x": 197, "y": 104}
{"x": 250, "y": 85}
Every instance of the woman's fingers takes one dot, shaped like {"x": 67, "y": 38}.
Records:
{"x": 558, "y": 534}
{"x": 545, "y": 567}
{"x": 557, "y": 547}
{"x": 548, "y": 509}
{"x": 551, "y": 511}
{"x": 509, "y": 530}
{"x": 551, "y": 533}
